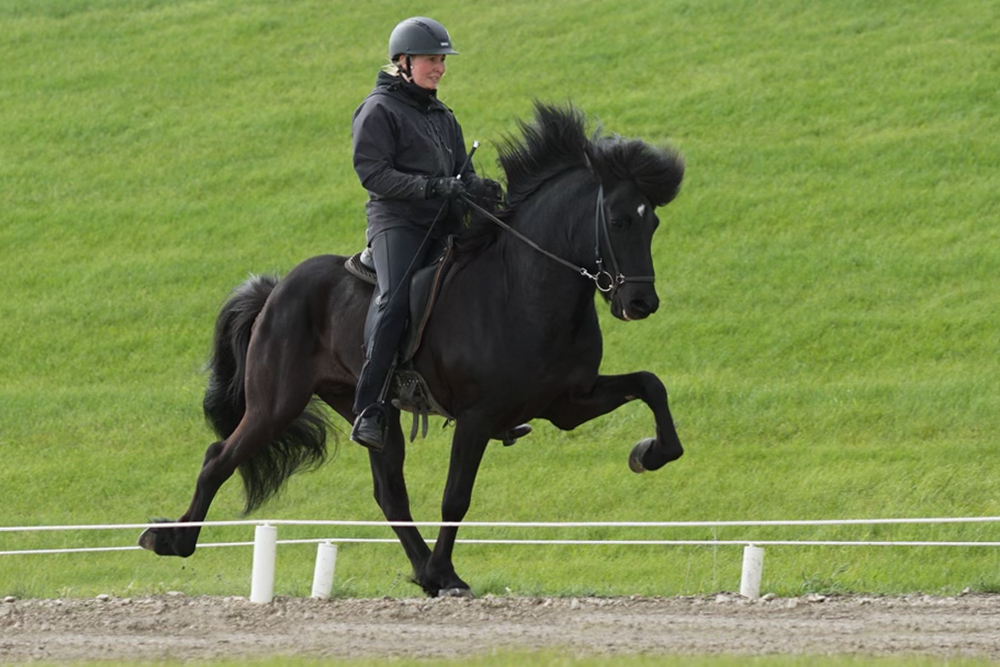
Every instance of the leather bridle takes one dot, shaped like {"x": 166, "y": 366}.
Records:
{"x": 606, "y": 281}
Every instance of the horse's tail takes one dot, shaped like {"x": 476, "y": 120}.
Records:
{"x": 302, "y": 445}
{"x": 225, "y": 400}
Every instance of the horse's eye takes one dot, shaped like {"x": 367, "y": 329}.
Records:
{"x": 619, "y": 223}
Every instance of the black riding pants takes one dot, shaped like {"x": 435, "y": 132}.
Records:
{"x": 397, "y": 252}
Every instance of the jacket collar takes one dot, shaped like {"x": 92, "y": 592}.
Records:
{"x": 421, "y": 98}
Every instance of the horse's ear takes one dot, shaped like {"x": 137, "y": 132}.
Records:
{"x": 593, "y": 159}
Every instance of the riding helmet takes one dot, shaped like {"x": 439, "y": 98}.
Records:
{"x": 419, "y": 36}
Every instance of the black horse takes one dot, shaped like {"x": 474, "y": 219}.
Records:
{"x": 513, "y": 336}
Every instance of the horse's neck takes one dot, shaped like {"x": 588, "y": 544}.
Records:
{"x": 513, "y": 277}
{"x": 561, "y": 222}
{"x": 539, "y": 281}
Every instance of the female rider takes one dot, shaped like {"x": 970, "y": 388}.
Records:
{"x": 410, "y": 155}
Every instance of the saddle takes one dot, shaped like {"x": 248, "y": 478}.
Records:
{"x": 408, "y": 388}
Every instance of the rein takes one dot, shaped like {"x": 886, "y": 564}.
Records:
{"x": 604, "y": 280}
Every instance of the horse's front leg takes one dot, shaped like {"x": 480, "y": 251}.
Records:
{"x": 467, "y": 448}
{"x": 393, "y": 498}
{"x": 612, "y": 391}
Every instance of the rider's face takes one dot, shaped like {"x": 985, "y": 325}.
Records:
{"x": 426, "y": 71}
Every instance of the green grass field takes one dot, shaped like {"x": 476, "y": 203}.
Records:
{"x": 828, "y": 276}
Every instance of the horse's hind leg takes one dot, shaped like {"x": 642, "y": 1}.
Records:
{"x": 181, "y": 541}
{"x": 268, "y": 413}
{"x": 221, "y": 461}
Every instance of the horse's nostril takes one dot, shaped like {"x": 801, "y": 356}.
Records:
{"x": 642, "y": 308}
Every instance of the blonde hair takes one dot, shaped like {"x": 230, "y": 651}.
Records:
{"x": 392, "y": 68}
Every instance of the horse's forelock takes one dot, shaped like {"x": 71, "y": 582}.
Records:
{"x": 657, "y": 172}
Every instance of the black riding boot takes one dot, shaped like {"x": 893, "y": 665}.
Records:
{"x": 369, "y": 427}
{"x": 394, "y": 252}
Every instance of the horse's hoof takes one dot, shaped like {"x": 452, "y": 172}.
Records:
{"x": 635, "y": 457}
{"x": 148, "y": 539}
{"x": 456, "y": 593}
{"x": 168, "y": 541}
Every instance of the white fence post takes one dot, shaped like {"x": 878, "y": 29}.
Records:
{"x": 265, "y": 549}
{"x": 753, "y": 565}
{"x": 326, "y": 562}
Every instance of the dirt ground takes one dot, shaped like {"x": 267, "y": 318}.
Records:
{"x": 200, "y": 628}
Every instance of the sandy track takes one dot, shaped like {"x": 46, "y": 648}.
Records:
{"x": 179, "y": 627}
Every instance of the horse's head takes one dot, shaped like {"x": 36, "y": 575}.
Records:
{"x": 625, "y": 255}
{"x": 635, "y": 179}
{"x": 555, "y": 172}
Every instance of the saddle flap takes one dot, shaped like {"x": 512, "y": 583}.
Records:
{"x": 424, "y": 289}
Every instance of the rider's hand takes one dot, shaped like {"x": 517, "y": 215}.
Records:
{"x": 488, "y": 190}
{"x": 448, "y": 187}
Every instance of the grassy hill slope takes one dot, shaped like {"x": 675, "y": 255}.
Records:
{"x": 828, "y": 329}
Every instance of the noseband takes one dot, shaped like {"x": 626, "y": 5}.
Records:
{"x": 606, "y": 281}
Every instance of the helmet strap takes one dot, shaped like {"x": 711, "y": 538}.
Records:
{"x": 407, "y": 68}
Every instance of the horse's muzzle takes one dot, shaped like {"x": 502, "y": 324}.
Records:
{"x": 630, "y": 304}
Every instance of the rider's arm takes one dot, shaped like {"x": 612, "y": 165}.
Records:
{"x": 375, "y": 139}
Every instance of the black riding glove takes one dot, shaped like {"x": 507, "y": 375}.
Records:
{"x": 448, "y": 187}
{"x": 488, "y": 190}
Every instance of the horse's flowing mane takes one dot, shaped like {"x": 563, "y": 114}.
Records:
{"x": 556, "y": 142}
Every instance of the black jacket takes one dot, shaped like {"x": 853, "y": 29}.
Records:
{"x": 403, "y": 136}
